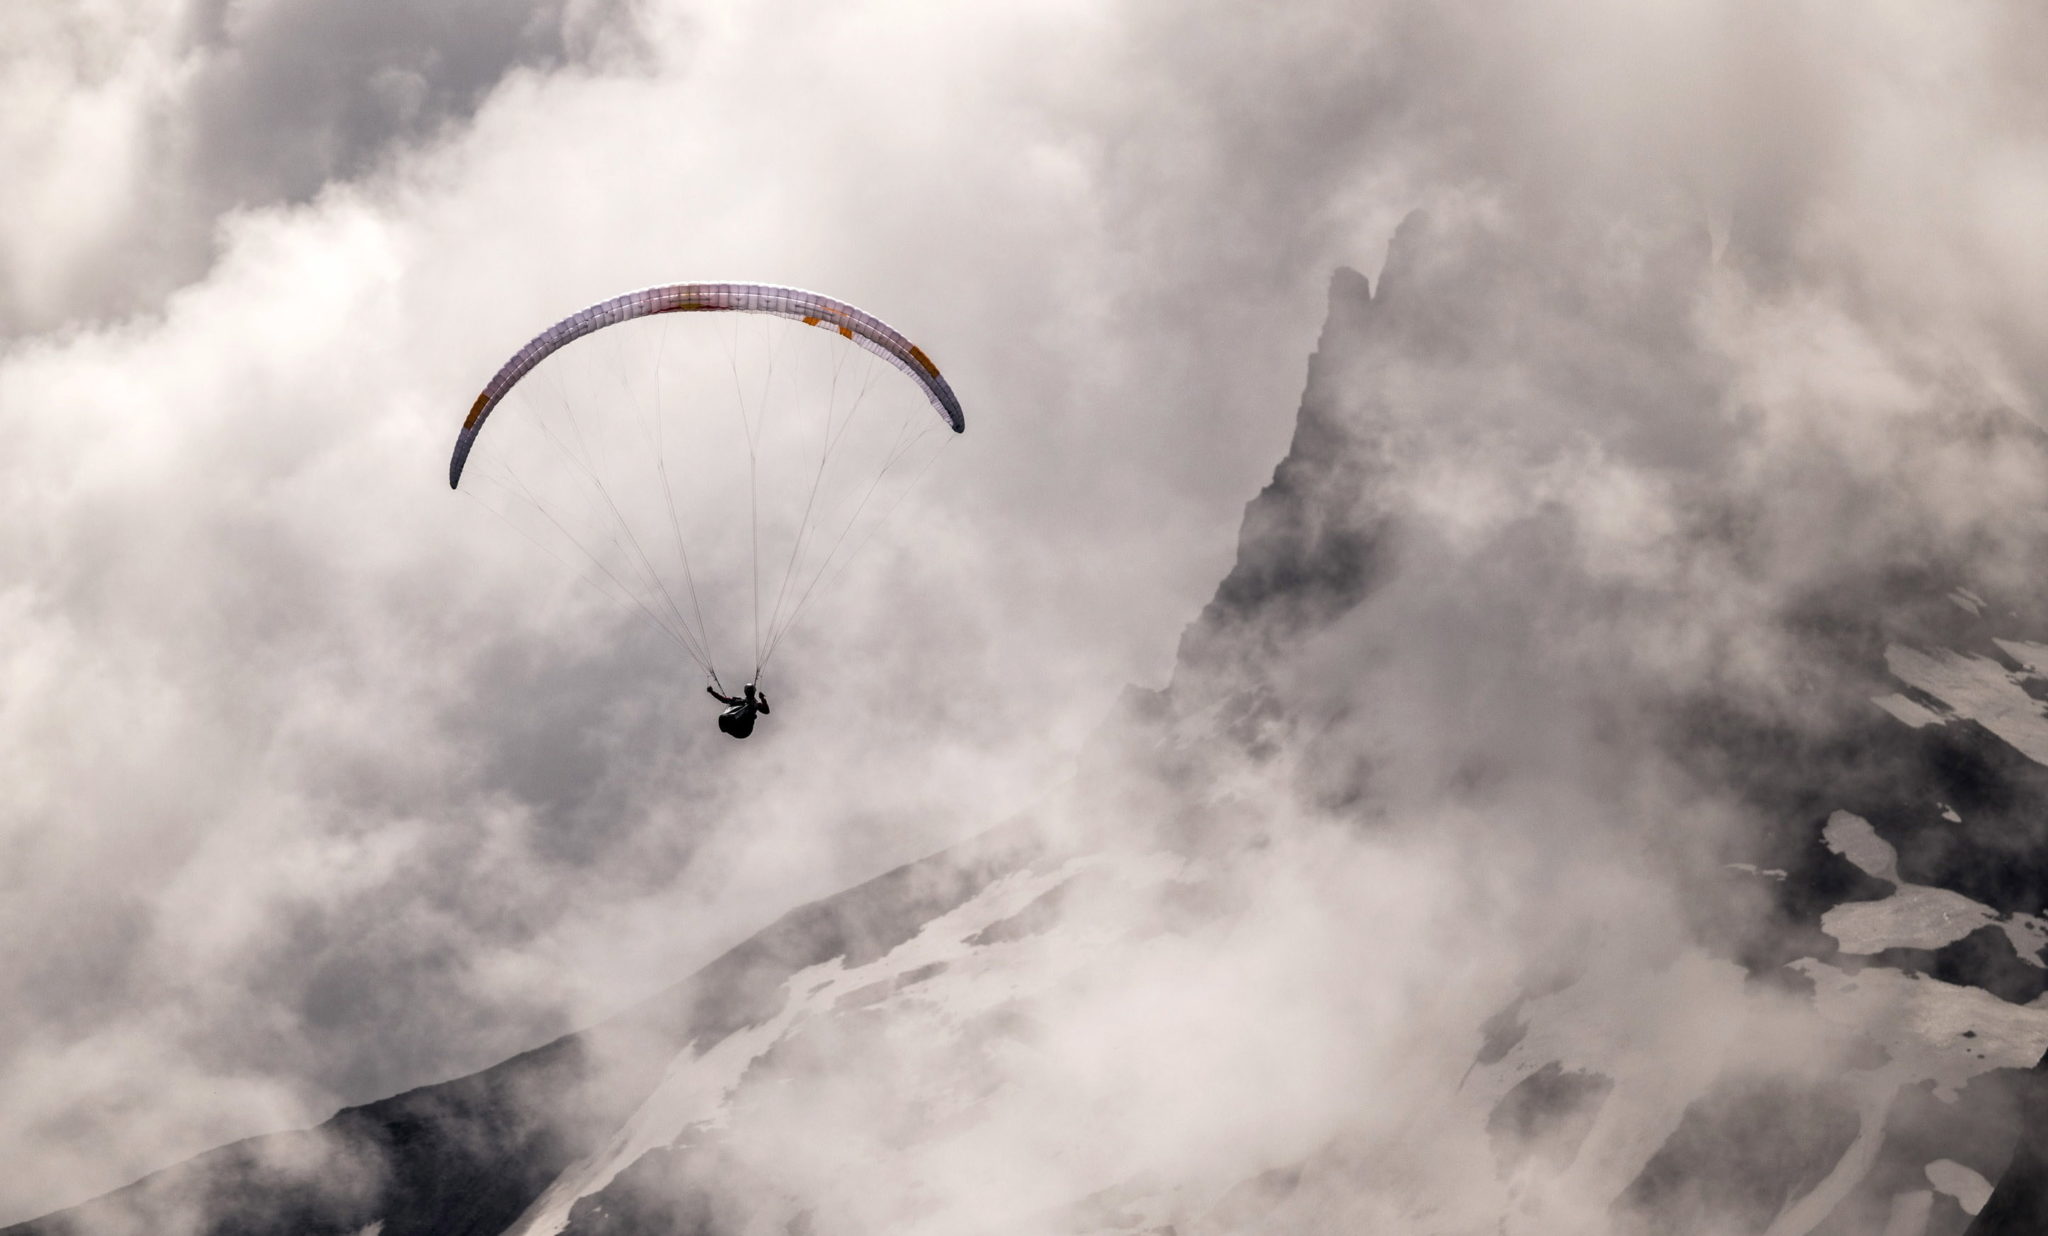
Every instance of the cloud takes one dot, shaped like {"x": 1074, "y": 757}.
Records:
{"x": 318, "y": 782}
{"x": 149, "y": 123}
{"x": 316, "y": 789}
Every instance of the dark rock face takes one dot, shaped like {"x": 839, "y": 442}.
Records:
{"x": 2020, "y": 1203}
{"x": 1502, "y": 1033}
{"x": 1740, "y": 1157}
{"x": 1304, "y": 555}
{"x": 1547, "y": 1116}
{"x": 463, "y": 1157}
{"x": 1975, "y": 1129}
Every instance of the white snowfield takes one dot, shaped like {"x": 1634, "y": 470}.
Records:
{"x": 699, "y": 1085}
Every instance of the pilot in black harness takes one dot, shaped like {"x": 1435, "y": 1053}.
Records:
{"x": 738, "y": 717}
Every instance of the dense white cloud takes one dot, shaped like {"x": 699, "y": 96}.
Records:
{"x": 317, "y": 782}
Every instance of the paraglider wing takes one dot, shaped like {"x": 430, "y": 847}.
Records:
{"x": 857, "y": 326}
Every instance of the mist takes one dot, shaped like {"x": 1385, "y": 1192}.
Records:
{"x": 1687, "y": 328}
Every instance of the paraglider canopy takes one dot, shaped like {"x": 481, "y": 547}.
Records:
{"x": 618, "y": 458}
{"x": 863, "y": 329}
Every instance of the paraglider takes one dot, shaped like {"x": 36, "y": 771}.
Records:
{"x": 596, "y": 484}
{"x": 738, "y": 718}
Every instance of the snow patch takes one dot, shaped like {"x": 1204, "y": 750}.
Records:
{"x": 1969, "y": 1189}
{"x": 1907, "y": 711}
{"x": 1933, "y": 1031}
{"x": 2029, "y": 935}
{"x": 1768, "y": 873}
{"x": 1852, "y": 837}
{"x": 1981, "y": 690}
{"x": 1914, "y": 917}
{"x": 2033, "y": 656}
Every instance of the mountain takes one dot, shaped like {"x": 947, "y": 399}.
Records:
{"x": 1606, "y": 794}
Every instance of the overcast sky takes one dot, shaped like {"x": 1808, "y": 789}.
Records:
{"x": 311, "y": 789}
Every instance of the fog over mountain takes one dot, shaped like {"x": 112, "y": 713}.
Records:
{"x": 1600, "y": 791}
